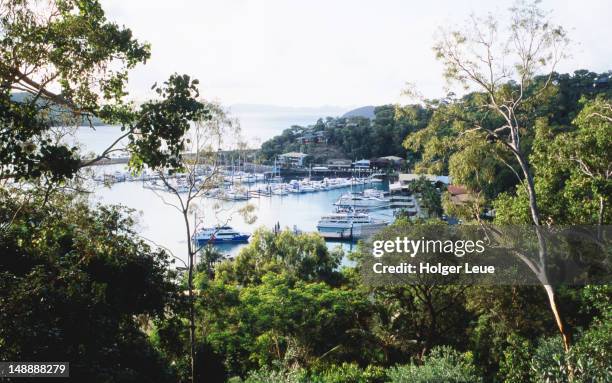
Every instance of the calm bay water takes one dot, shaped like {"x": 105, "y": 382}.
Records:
{"x": 258, "y": 124}
{"x": 163, "y": 225}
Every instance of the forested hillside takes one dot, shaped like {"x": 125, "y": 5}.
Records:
{"x": 392, "y": 129}
{"x": 80, "y": 284}
{"x": 354, "y": 137}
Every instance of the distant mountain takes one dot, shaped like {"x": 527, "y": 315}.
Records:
{"x": 364, "y": 111}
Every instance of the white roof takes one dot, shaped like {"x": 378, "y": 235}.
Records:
{"x": 391, "y": 158}
{"x": 293, "y": 154}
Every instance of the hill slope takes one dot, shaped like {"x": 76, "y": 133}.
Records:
{"x": 364, "y": 111}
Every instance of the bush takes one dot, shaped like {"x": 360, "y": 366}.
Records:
{"x": 344, "y": 373}
{"x": 349, "y": 373}
{"x": 591, "y": 356}
{"x": 548, "y": 363}
{"x": 443, "y": 364}
{"x": 514, "y": 367}
{"x": 267, "y": 375}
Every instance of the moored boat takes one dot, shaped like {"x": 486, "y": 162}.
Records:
{"x": 221, "y": 234}
{"x": 349, "y": 225}
{"x": 362, "y": 200}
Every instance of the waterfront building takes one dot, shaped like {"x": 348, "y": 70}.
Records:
{"x": 292, "y": 159}
{"x": 405, "y": 179}
{"x": 388, "y": 162}
{"x": 361, "y": 164}
{"x": 339, "y": 164}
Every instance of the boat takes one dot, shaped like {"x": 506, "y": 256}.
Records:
{"x": 377, "y": 193}
{"x": 279, "y": 191}
{"x": 362, "y": 200}
{"x": 349, "y": 225}
{"x": 220, "y": 234}
{"x": 232, "y": 195}
{"x": 307, "y": 188}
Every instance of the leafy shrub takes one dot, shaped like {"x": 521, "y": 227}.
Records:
{"x": 591, "y": 356}
{"x": 344, "y": 373}
{"x": 267, "y": 375}
{"x": 443, "y": 364}
{"x": 589, "y": 359}
{"x": 349, "y": 373}
{"x": 549, "y": 363}
{"x": 514, "y": 367}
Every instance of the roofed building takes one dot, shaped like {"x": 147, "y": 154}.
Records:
{"x": 292, "y": 159}
{"x": 459, "y": 194}
{"x": 339, "y": 163}
{"x": 405, "y": 179}
{"x": 361, "y": 164}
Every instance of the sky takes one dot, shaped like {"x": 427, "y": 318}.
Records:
{"x": 312, "y": 53}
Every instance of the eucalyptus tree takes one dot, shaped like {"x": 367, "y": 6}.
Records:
{"x": 589, "y": 149}
{"x": 199, "y": 173}
{"x": 506, "y": 61}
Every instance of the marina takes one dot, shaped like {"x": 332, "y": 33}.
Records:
{"x": 297, "y": 204}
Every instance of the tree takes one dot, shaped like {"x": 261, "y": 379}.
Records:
{"x": 504, "y": 67}
{"x": 590, "y": 148}
{"x": 285, "y": 320}
{"x": 430, "y": 197}
{"x": 72, "y": 65}
{"x": 77, "y": 284}
{"x": 304, "y": 255}
{"x": 443, "y": 364}
{"x": 199, "y": 173}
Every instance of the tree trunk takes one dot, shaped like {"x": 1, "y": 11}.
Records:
{"x": 552, "y": 299}
{"x": 533, "y": 205}
{"x": 192, "y": 353}
{"x": 550, "y": 291}
{"x": 191, "y": 332}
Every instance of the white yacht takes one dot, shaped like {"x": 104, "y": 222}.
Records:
{"x": 362, "y": 200}
{"x": 234, "y": 195}
{"x": 349, "y": 225}
{"x": 221, "y": 234}
{"x": 280, "y": 191}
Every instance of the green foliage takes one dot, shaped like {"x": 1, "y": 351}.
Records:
{"x": 514, "y": 367}
{"x": 78, "y": 285}
{"x": 304, "y": 255}
{"x": 266, "y": 375}
{"x": 157, "y": 137}
{"x": 349, "y": 373}
{"x": 498, "y": 328}
{"x": 591, "y": 356}
{"x": 443, "y": 364}
{"x": 355, "y": 137}
{"x": 548, "y": 363}
{"x": 283, "y": 319}
{"x": 429, "y": 196}
{"x": 70, "y": 45}
{"x": 556, "y": 133}
{"x": 344, "y": 373}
